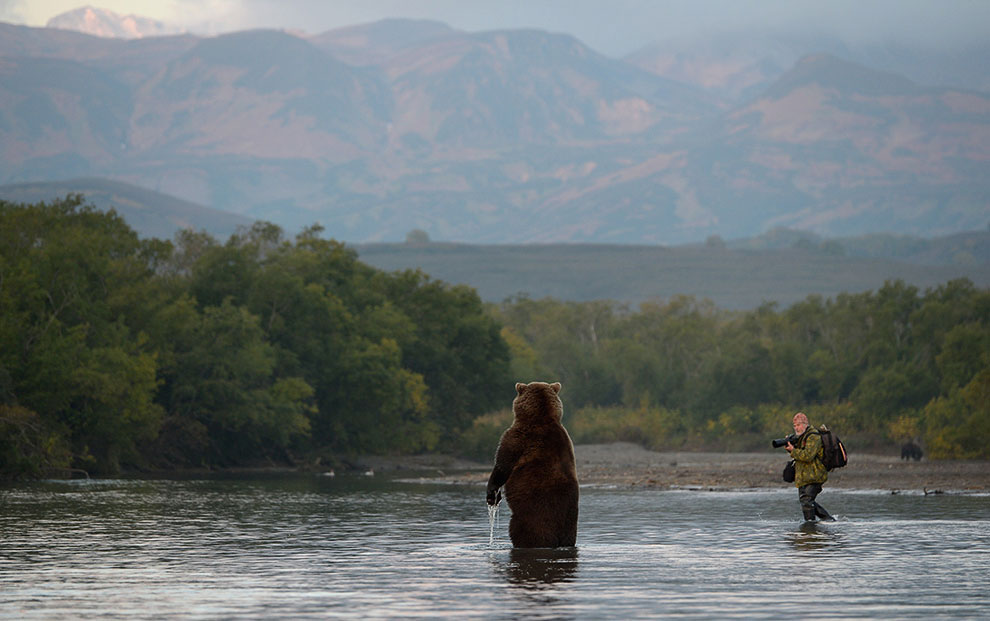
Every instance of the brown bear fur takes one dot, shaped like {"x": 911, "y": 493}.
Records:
{"x": 535, "y": 463}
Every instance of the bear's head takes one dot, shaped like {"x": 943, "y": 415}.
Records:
{"x": 537, "y": 402}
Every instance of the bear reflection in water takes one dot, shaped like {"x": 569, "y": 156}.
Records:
{"x": 541, "y": 566}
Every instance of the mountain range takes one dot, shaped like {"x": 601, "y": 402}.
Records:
{"x": 509, "y": 136}
{"x": 105, "y": 23}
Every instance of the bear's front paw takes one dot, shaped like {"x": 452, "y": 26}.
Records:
{"x": 494, "y": 497}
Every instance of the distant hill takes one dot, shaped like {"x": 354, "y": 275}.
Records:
{"x": 372, "y": 44}
{"x": 151, "y": 214}
{"x": 971, "y": 248}
{"x": 733, "y": 279}
{"x": 738, "y": 66}
{"x": 508, "y": 136}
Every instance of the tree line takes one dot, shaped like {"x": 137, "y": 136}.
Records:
{"x": 881, "y": 368}
{"x": 120, "y": 352}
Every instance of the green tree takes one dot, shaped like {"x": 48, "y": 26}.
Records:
{"x": 958, "y": 425}
{"x": 661, "y": 350}
{"x": 70, "y": 281}
{"x": 571, "y": 339}
{"x": 454, "y": 345}
{"x": 221, "y": 380}
{"x": 28, "y": 446}
{"x": 964, "y": 353}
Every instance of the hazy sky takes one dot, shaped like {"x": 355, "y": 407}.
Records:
{"x": 613, "y": 27}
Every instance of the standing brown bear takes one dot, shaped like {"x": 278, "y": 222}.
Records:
{"x": 535, "y": 463}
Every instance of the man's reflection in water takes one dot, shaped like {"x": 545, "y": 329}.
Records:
{"x": 813, "y": 536}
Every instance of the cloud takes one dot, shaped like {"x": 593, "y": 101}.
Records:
{"x": 12, "y": 11}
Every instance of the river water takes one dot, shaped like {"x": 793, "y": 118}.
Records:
{"x": 299, "y": 546}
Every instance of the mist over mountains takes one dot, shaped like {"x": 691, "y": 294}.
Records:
{"x": 510, "y": 136}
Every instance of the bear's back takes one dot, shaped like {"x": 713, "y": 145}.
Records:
{"x": 546, "y": 457}
{"x": 535, "y": 461}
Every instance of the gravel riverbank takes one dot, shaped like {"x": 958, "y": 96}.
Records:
{"x": 629, "y": 465}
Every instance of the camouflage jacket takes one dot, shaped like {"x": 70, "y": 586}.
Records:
{"x": 807, "y": 456}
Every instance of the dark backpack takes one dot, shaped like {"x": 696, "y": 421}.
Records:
{"x": 833, "y": 450}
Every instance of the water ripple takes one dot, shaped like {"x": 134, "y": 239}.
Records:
{"x": 306, "y": 547}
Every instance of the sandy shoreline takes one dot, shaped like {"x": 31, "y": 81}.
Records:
{"x": 629, "y": 465}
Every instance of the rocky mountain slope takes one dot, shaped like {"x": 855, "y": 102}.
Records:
{"x": 106, "y": 23}
{"x": 493, "y": 137}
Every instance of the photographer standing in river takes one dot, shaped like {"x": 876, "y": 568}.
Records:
{"x": 809, "y": 471}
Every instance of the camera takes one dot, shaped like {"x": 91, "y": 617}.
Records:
{"x": 779, "y": 442}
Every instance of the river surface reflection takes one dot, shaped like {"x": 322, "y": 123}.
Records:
{"x": 298, "y": 546}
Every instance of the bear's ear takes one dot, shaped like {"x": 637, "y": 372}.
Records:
{"x": 555, "y": 386}
{"x": 520, "y": 387}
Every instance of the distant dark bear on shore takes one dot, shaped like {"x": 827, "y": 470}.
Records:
{"x": 535, "y": 463}
{"x": 911, "y": 451}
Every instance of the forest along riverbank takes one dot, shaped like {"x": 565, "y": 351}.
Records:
{"x": 630, "y": 465}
